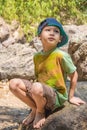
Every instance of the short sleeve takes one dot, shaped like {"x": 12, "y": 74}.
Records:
{"x": 67, "y": 64}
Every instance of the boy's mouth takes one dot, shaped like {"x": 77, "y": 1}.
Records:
{"x": 51, "y": 38}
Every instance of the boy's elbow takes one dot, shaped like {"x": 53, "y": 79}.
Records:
{"x": 76, "y": 74}
{"x": 75, "y": 77}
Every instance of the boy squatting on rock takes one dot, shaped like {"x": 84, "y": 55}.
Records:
{"x": 52, "y": 66}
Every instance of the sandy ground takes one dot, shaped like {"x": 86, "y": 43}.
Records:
{"x": 12, "y": 110}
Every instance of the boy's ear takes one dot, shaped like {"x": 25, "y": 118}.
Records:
{"x": 60, "y": 39}
{"x": 39, "y": 37}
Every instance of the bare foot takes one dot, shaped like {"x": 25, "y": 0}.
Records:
{"x": 39, "y": 120}
{"x": 30, "y": 118}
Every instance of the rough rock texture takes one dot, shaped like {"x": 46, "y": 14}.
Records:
{"x": 68, "y": 118}
{"x": 10, "y": 34}
{"x": 76, "y": 33}
{"x": 17, "y": 61}
{"x": 78, "y": 48}
{"x": 78, "y": 52}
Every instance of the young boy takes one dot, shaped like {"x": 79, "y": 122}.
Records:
{"x": 52, "y": 66}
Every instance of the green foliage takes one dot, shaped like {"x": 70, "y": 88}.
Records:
{"x": 30, "y": 12}
{"x": 82, "y": 5}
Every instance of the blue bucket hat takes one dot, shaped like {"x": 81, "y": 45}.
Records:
{"x": 53, "y": 22}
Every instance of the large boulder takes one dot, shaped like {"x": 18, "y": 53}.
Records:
{"x": 17, "y": 61}
{"x": 77, "y": 47}
{"x": 78, "y": 52}
{"x": 68, "y": 118}
{"x": 10, "y": 33}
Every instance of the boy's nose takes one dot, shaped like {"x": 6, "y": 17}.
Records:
{"x": 51, "y": 32}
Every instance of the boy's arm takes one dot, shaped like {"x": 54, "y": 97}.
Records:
{"x": 73, "y": 82}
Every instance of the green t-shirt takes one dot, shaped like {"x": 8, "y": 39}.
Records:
{"x": 52, "y": 68}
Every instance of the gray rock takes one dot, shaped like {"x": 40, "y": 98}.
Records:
{"x": 4, "y": 33}
{"x": 17, "y": 61}
{"x": 78, "y": 52}
{"x": 68, "y": 118}
{"x": 8, "y": 42}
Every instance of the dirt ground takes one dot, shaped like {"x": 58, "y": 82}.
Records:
{"x": 12, "y": 110}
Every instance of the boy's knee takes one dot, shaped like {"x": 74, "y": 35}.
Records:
{"x": 13, "y": 84}
{"x": 37, "y": 89}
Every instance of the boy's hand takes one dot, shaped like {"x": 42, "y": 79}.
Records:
{"x": 77, "y": 101}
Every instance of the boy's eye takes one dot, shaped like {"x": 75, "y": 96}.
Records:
{"x": 56, "y": 31}
{"x": 47, "y": 29}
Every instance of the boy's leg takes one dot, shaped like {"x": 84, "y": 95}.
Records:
{"x": 40, "y": 97}
{"x": 44, "y": 97}
{"x": 19, "y": 88}
{"x": 40, "y": 100}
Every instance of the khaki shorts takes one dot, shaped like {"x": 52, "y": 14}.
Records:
{"x": 53, "y": 97}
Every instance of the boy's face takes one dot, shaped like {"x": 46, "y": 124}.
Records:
{"x": 50, "y": 36}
